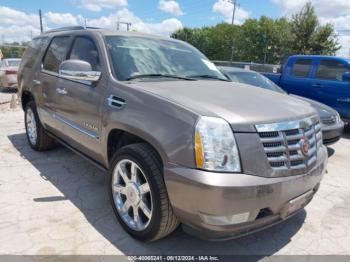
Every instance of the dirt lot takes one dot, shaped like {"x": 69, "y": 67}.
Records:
{"x": 57, "y": 203}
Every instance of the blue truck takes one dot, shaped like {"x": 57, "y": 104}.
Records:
{"x": 322, "y": 78}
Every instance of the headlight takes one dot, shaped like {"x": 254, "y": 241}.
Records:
{"x": 215, "y": 146}
{"x": 337, "y": 117}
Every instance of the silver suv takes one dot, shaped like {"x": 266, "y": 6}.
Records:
{"x": 181, "y": 143}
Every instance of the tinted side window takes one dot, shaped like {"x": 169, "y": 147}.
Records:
{"x": 56, "y": 53}
{"x": 331, "y": 70}
{"x": 302, "y": 67}
{"x": 85, "y": 49}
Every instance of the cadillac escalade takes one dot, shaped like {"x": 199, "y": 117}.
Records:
{"x": 181, "y": 143}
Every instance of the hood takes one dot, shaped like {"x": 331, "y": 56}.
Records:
{"x": 324, "y": 111}
{"x": 239, "y": 104}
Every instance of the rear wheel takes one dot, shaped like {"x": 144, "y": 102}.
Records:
{"x": 138, "y": 193}
{"x": 36, "y": 135}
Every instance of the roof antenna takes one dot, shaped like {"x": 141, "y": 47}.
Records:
{"x": 85, "y": 22}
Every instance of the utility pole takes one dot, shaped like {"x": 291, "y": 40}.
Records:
{"x": 128, "y": 25}
{"x": 41, "y": 21}
{"x": 235, "y": 4}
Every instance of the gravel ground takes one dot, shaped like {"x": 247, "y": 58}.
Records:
{"x": 5, "y": 96}
{"x": 57, "y": 203}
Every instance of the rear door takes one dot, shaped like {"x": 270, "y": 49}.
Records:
{"x": 329, "y": 87}
{"x": 296, "y": 79}
{"x": 78, "y": 103}
{"x": 47, "y": 81}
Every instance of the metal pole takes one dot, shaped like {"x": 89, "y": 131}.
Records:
{"x": 41, "y": 21}
{"x": 234, "y": 2}
{"x": 234, "y": 11}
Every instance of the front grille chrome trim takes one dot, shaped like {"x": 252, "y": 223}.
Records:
{"x": 288, "y": 125}
{"x": 283, "y": 145}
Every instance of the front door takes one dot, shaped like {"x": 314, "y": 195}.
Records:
{"x": 78, "y": 102}
{"x": 329, "y": 87}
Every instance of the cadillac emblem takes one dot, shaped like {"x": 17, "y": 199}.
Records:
{"x": 304, "y": 145}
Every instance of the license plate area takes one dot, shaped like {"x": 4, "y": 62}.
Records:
{"x": 296, "y": 204}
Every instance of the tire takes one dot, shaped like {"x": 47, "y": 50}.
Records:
{"x": 163, "y": 220}
{"x": 41, "y": 141}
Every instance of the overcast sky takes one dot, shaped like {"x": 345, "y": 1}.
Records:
{"x": 19, "y": 19}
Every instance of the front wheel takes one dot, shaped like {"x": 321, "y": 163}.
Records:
{"x": 138, "y": 194}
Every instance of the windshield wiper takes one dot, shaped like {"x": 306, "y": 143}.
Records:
{"x": 159, "y": 76}
{"x": 209, "y": 77}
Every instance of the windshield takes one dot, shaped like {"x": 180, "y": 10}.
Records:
{"x": 133, "y": 57}
{"x": 13, "y": 63}
{"x": 254, "y": 79}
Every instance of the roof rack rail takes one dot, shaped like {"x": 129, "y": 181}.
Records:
{"x": 70, "y": 28}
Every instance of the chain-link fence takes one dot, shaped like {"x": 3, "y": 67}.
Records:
{"x": 268, "y": 68}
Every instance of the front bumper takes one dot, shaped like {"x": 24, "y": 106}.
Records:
{"x": 196, "y": 195}
{"x": 332, "y": 133}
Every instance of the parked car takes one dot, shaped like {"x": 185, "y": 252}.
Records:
{"x": 8, "y": 73}
{"x": 179, "y": 144}
{"x": 331, "y": 124}
{"x": 322, "y": 78}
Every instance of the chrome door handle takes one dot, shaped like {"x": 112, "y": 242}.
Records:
{"x": 61, "y": 91}
{"x": 36, "y": 82}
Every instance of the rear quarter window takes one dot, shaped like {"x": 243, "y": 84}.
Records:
{"x": 32, "y": 52}
{"x": 56, "y": 53}
{"x": 302, "y": 67}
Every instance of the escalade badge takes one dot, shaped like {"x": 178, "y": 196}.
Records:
{"x": 305, "y": 145}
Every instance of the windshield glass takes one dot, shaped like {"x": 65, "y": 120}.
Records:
{"x": 254, "y": 79}
{"x": 135, "y": 56}
{"x": 13, "y": 63}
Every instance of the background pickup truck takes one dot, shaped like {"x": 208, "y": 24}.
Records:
{"x": 322, "y": 78}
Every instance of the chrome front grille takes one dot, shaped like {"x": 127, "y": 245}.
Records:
{"x": 285, "y": 144}
{"x": 329, "y": 121}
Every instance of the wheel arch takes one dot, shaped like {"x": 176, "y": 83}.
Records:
{"x": 26, "y": 97}
{"x": 118, "y": 138}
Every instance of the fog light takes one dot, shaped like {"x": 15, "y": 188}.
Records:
{"x": 225, "y": 220}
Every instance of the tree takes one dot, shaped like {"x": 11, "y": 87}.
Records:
{"x": 264, "y": 40}
{"x": 308, "y": 37}
{"x": 13, "y": 50}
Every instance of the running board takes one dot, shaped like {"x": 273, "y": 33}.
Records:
{"x": 65, "y": 144}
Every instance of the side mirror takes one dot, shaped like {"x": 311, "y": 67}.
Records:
{"x": 346, "y": 77}
{"x": 78, "y": 70}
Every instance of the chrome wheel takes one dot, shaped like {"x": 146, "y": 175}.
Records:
{"x": 31, "y": 126}
{"x": 132, "y": 195}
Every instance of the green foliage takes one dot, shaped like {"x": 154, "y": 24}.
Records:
{"x": 264, "y": 40}
{"x": 13, "y": 50}
{"x": 309, "y": 37}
